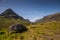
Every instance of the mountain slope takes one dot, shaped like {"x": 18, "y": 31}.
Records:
{"x": 9, "y": 13}
{"x": 9, "y": 17}
{"x": 42, "y": 31}
{"x": 49, "y": 18}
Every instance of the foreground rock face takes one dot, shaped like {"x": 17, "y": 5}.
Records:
{"x": 17, "y": 28}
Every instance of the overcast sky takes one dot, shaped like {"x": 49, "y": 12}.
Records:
{"x": 31, "y": 9}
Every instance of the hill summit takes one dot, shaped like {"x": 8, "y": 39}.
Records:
{"x": 9, "y": 13}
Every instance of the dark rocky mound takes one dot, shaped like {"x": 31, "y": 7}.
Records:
{"x": 49, "y": 18}
{"x": 9, "y": 13}
{"x": 2, "y": 32}
{"x": 17, "y": 28}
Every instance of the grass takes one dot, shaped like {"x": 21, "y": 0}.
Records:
{"x": 40, "y": 31}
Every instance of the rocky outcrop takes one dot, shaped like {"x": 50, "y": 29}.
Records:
{"x": 19, "y": 28}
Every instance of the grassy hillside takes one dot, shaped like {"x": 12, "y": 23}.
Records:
{"x": 49, "y": 18}
{"x": 41, "y": 31}
{"x": 47, "y": 28}
{"x": 6, "y": 22}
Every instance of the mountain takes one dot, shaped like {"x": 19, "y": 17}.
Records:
{"x": 9, "y": 13}
{"x": 9, "y": 17}
{"x": 10, "y": 22}
{"x": 28, "y": 20}
{"x": 49, "y": 18}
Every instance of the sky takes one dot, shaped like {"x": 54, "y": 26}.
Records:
{"x": 31, "y": 9}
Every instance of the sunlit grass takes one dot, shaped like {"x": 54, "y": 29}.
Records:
{"x": 40, "y": 31}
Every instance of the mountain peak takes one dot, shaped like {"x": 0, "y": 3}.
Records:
{"x": 9, "y": 13}
{"x": 9, "y": 9}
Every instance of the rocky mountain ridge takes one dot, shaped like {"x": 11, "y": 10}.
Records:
{"x": 49, "y": 18}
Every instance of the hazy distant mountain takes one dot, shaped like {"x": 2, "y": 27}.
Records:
{"x": 27, "y": 20}
{"x": 48, "y": 18}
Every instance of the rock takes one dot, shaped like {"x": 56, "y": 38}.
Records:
{"x": 18, "y": 28}
{"x": 2, "y": 32}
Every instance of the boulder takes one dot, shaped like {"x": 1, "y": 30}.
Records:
{"x": 19, "y": 28}
{"x": 2, "y": 32}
